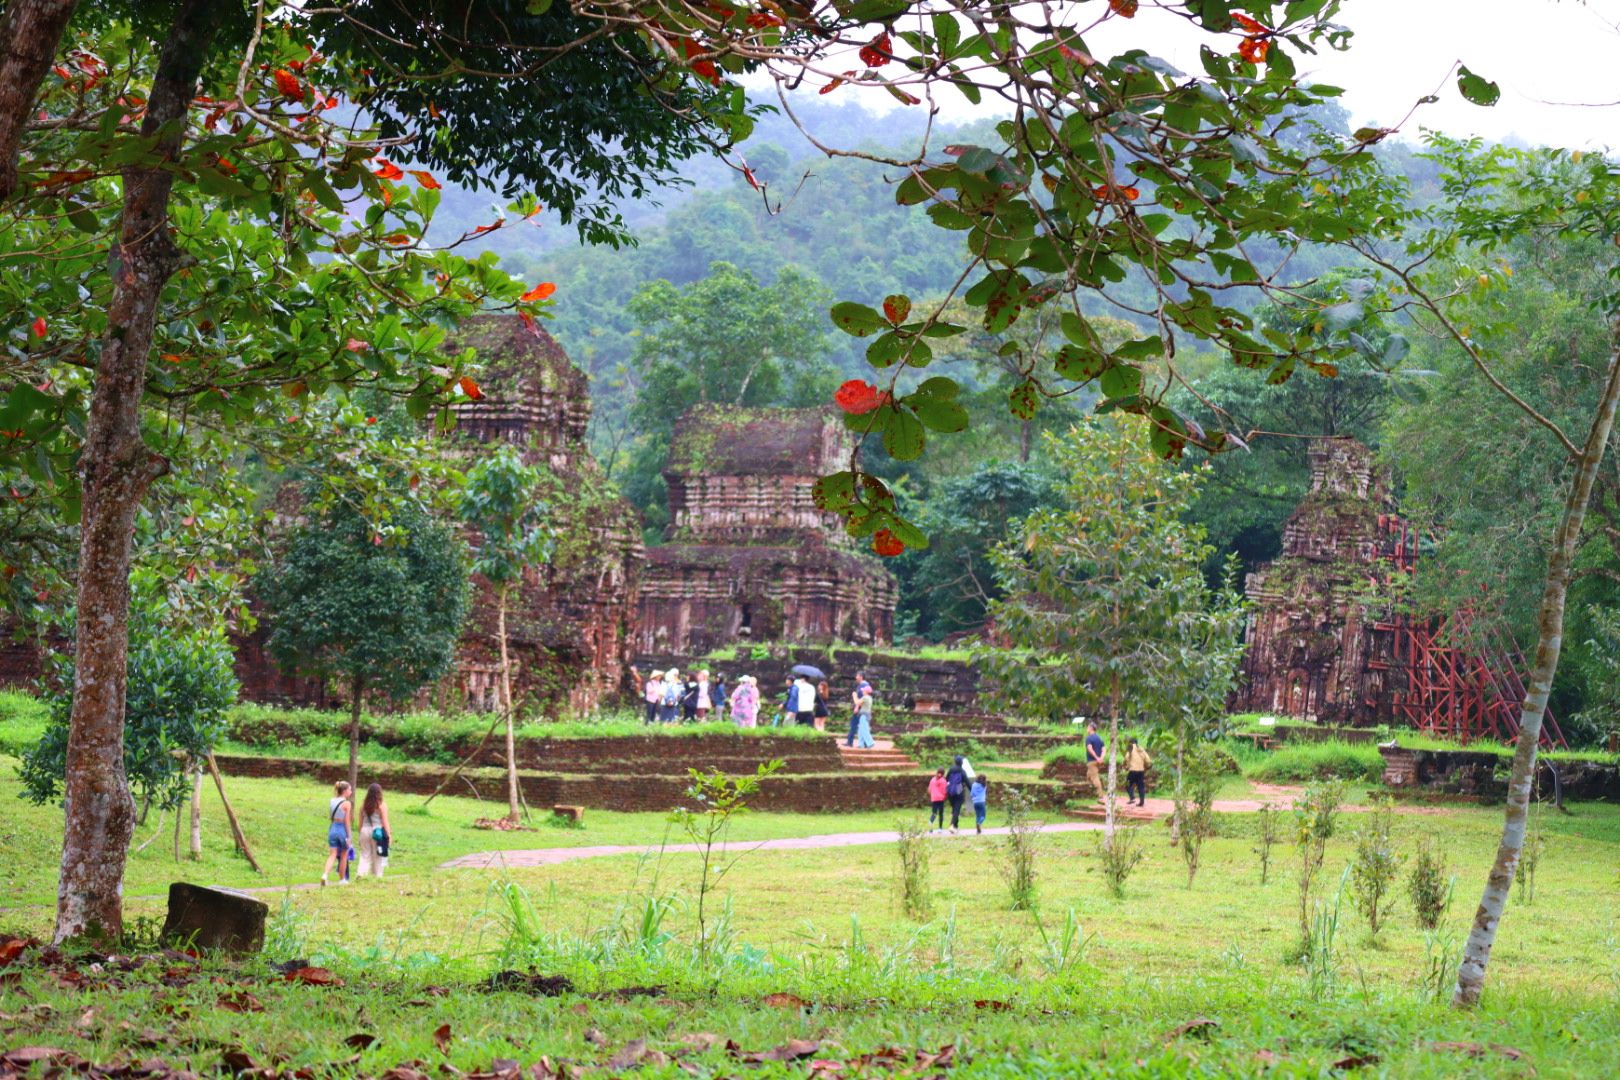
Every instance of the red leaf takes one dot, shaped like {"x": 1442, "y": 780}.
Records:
{"x": 425, "y": 178}
{"x": 759, "y": 20}
{"x": 356, "y": 345}
{"x": 1254, "y": 49}
{"x": 896, "y": 308}
{"x": 481, "y": 229}
{"x": 836, "y": 83}
{"x": 539, "y": 292}
{"x": 442, "y": 1037}
{"x": 191, "y": 572}
{"x": 12, "y": 948}
{"x": 1125, "y": 9}
{"x": 886, "y": 544}
{"x": 387, "y": 170}
{"x": 1249, "y": 24}
{"x": 878, "y": 51}
{"x": 470, "y": 388}
{"x": 313, "y": 976}
{"x": 288, "y": 84}
{"x": 857, "y": 396}
{"x": 39, "y": 326}
{"x": 748, "y": 175}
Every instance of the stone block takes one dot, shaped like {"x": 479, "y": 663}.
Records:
{"x": 569, "y": 813}
{"x": 209, "y": 917}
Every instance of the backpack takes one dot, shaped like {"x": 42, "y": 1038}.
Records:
{"x": 953, "y": 784}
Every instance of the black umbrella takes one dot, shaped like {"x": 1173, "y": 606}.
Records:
{"x": 808, "y": 672}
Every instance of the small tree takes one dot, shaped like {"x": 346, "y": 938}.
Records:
{"x": 1019, "y": 850}
{"x": 915, "y": 892}
{"x": 1315, "y": 816}
{"x": 501, "y": 503}
{"x": 1195, "y": 803}
{"x": 1106, "y": 604}
{"x": 1270, "y": 833}
{"x": 719, "y": 798}
{"x": 1376, "y": 865}
{"x": 1429, "y": 886}
{"x": 376, "y": 605}
{"x": 181, "y": 682}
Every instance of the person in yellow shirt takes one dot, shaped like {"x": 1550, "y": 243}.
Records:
{"x": 1136, "y": 767}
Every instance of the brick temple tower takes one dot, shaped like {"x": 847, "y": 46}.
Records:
{"x": 750, "y": 556}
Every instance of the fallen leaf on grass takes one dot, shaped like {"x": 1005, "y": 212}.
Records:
{"x": 1474, "y": 1049}
{"x": 792, "y": 1050}
{"x": 595, "y": 1037}
{"x": 580, "y": 1008}
{"x": 313, "y": 976}
{"x": 24, "y": 1056}
{"x": 699, "y": 1040}
{"x": 1356, "y": 1061}
{"x": 1201, "y": 1027}
{"x": 11, "y": 948}
{"x": 238, "y": 1061}
{"x": 360, "y": 1040}
{"x": 992, "y": 1006}
{"x": 629, "y": 1054}
{"x": 785, "y": 1001}
{"x": 442, "y": 1038}
{"x": 240, "y": 1001}
{"x": 404, "y": 1072}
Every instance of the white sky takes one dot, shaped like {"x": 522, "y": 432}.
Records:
{"x": 1538, "y": 51}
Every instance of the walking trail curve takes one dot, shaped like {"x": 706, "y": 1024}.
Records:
{"x": 1154, "y": 810}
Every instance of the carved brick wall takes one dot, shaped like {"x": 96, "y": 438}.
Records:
{"x": 1311, "y": 646}
{"x": 750, "y": 556}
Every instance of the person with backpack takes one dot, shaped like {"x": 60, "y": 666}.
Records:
{"x": 1094, "y": 759}
{"x": 670, "y": 705}
{"x": 956, "y": 790}
{"x": 375, "y": 833}
{"x": 802, "y": 702}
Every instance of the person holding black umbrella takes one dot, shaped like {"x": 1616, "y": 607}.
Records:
{"x": 802, "y": 702}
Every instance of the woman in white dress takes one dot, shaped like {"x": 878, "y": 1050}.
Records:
{"x": 375, "y": 833}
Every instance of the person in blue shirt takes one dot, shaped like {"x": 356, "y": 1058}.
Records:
{"x": 1094, "y": 758}
{"x": 977, "y": 794}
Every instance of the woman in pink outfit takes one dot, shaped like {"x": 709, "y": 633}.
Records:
{"x": 936, "y": 800}
{"x": 745, "y": 702}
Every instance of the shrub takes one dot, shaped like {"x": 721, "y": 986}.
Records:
{"x": 916, "y": 895}
{"x": 1315, "y": 816}
{"x": 1195, "y": 803}
{"x": 1376, "y": 866}
{"x": 1535, "y": 845}
{"x": 1332, "y": 760}
{"x": 1018, "y": 850}
{"x": 1429, "y": 886}
{"x": 1269, "y": 821}
{"x": 1119, "y": 858}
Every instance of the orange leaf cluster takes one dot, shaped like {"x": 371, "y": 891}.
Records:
{"x": 288, "y": 84}
{"x": 387, "y": 170}
{"x": 1114, "y": 191}
{"x": 539, "y": 292}
{"x": 886, "y": 544}
{"x": 426, "y": 179}
{"x": 877, "y": 52}
{"x": 857, "y": 397}
{"x": 470, "y": 388}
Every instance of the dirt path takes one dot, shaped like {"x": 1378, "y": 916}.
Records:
{"x": 1155, "y": 810}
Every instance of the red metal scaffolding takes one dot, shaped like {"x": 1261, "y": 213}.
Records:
{"x": 1455, "y": 677}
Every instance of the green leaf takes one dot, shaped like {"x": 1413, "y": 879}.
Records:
{"x": 876, "y": 10}
{"x": 907, "y": 533}
{"x": 1395, "y": 350}
{"x": 835, "y": 493}
{"x": 1120, "y": 381}
{"x": 1079, "y": 364}
{"x": 937, "y": 388}
{"x": 885, "y": 349}
{"x": 1024, "y": 400}
{"x": 1479, "y": 90}
{"x": 938, "y": 415}
{"x": 857, "y": 319}
{"x": 904, "y": 438}
{"x": 1141, "y": 349}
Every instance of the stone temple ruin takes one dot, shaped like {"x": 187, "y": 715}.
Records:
{"x": 1328, "y": 643}
{"x": 1309, "y": 640}
{"x": 750, "y": 556}
{"x": 570, "y": 626}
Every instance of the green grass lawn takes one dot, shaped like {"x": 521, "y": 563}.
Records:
{"x": 823, "y": 925}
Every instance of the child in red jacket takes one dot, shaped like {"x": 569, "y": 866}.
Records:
{"x": 936, "y": 796}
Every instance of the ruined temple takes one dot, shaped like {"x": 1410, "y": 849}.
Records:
{"x": 570, "y": 628}
{"x": 749, "y": 554}
{"x": 569, "y": 624}
{"x": 1315, "y": 645}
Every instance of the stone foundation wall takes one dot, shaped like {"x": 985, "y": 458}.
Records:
{"x": 1482, "y": 775}
{"x": 658, "y": 794}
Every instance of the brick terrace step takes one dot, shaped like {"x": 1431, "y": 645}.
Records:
{"x": 883, "y": 755}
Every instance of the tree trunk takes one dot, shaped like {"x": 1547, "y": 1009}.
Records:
{"x": 1550, "y": 625}
{"x": 514, "y": 811}
{"x": 116, "y": 469}
{"x": 357, "y": 695}
{"x": 30, "y": 30}
{"x": 230, "y": 815}
{"x": 196, "y": 813}
{"x": 1175, "y": 814}
{"x": 1113, "y": 776}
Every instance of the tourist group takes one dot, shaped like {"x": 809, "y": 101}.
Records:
{"x": 372, "y": 836}
{"x": 668, "y": 698}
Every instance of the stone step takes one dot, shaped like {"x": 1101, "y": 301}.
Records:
{"x": 1096, "y": 812}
